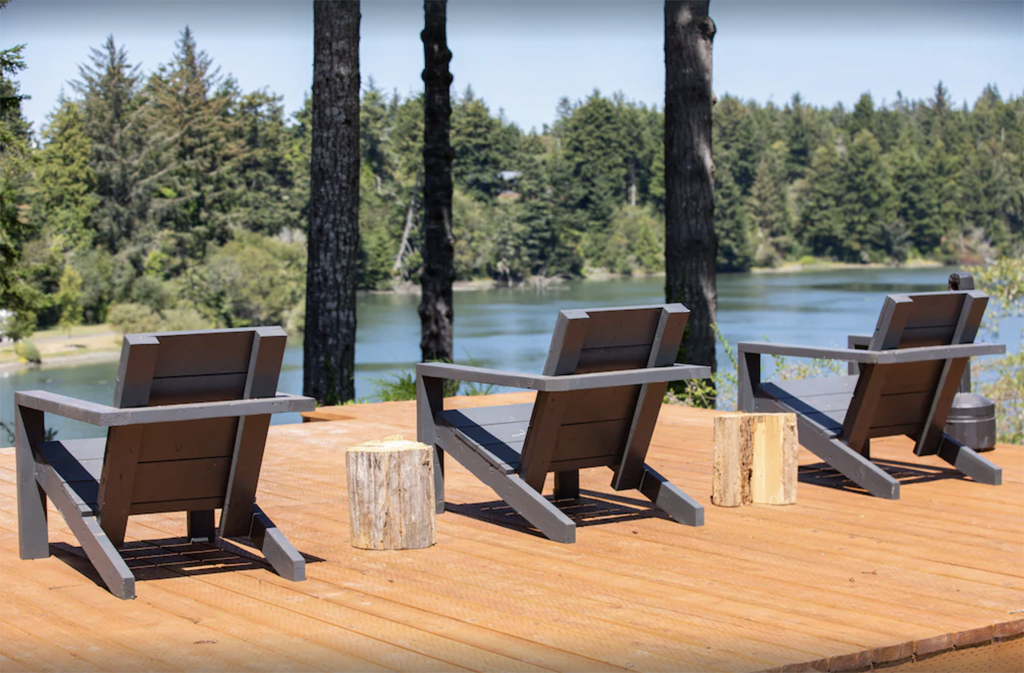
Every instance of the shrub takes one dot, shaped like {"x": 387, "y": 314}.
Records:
{"x": 27, "y": 352}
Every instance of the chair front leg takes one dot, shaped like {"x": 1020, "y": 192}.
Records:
{"x": 279, "y": 552}
{"x": 967, "y": 461}
{"x": 749, "y": 380}
{"x": 429, "y": 403}
{"x": 33, "y": 540}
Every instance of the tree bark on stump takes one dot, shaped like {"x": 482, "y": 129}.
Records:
{"x": 391, "y": 494}
{"x": 690, "y": 242}
{"x": 436, "y": 314}
{"x": 330, "y": 331}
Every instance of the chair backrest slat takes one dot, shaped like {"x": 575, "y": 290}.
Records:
{"x": 186, "y": 465}
{"x": 909, "y": 392}
{"x": 595, "y": 425}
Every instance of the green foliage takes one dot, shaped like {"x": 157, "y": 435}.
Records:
{"x": 176, "y": 190}
{"x": 1003, "y": 281}
{"x": 401, "y": 387}
{"x": 69, "y": 299}
{"x": 27, "y": 352}
{"x": 136, "y": 318}
{"x": 736, "y": 244}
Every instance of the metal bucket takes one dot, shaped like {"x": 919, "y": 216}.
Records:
{"x": 972, "y": 421}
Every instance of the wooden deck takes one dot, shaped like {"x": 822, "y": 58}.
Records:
{"x": 840, "y": 580}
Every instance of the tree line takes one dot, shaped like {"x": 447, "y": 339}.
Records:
{"x": 176, "y": 199}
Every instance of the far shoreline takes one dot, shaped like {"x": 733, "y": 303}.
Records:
{"x": 603, "y": 275}
{"x": 483, "y": 284}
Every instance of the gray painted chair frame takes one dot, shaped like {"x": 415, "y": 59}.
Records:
{"x": 906, "y": 375}
{"x": 597, "y": 404}
{"x": 186, "y": 434}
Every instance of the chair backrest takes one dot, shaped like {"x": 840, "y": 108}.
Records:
{"x": 185, "y": 465}
{"x": 603, "y": 426}
{"x": 914, "y": 398}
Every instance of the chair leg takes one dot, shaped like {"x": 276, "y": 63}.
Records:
{"x": 535, "y": 508}
{"x": 968, "y": 462}
{"x": 33, "y": 540}
{"x": 438, "y": 480}
{"x": 851, "y": 464}
{"x": 567, "y": 485}
{"x": 201, "y": 526}
{"x": 669, "y": 498}
{"x": 280, "y": 553}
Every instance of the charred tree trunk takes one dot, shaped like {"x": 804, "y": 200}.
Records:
{"x": 330, "y": 338}
{"x": 438, "y": 243}
{"x": 690, "y": 242}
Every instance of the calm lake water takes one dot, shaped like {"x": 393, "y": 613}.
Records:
{"x": 511, "y": 328}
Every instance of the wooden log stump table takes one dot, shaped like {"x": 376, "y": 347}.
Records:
{"x": 391, "y": 494}
{"x": 755, "y": 460}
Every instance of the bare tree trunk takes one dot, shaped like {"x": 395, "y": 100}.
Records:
{"x": 438, "y": 243}
{"x": 690, "y": 242}
{"x": 330, "y": 338}
{"x": 410, "y": 219}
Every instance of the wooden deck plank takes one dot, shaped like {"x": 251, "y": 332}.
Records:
{"x": 757, "y": 588}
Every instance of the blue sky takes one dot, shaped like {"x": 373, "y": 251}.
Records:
{"x": 523, "y": 56}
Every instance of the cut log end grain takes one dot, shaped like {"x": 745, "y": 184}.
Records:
{"x": 391, "y": 494}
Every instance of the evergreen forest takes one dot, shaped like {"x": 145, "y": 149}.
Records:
{"x": 175, "y": 200}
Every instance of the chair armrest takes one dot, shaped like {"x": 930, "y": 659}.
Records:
{"x": 452, "y": 372}
{"x": 945, "y": 352}
{"x": 847, "y": 354}
{"x": 103, "y": 415}
{"x": 885, "y": 357}
{"x": 565, "y": 383}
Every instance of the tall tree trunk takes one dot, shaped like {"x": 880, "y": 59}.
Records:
{"x": 690, "y": 242}
{"x": 330, "y": 338}
{"x": 438, "y": 243}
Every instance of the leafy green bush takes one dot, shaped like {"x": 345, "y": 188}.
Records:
{"x": 136, "y": 318}
{"x": 255, "y": 280}
{"x": 27, "y": 352}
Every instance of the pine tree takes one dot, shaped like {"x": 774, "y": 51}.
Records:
{"x": 16, "y": 293}
{"x": 768, "y": 206}
{"x": 477, "y": 158}
{"x": 65, "y": 184}
{"x": 191, "y": 106}
{"x": 732, "y": 225}
{"x": 863, "y": 116}
{"x": 868, "y": 204}
{"x": 123, "y": 150}
{"x": 594, "y": 152}
{"x": 800, "y": 137}
{"x": 821, "y": 227}
{"x": 915, "y": 196}
{"x": 267, "y": 184}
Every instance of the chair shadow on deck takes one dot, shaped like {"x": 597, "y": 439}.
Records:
{"x": 168, "y": 558}
{"x": 592, "y": 508}
{"x": 822, "y": 474}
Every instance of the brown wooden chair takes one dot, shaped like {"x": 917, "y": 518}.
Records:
{"x": 186, "y": 434}
{"x": 908, "y": 376}
{"x": 597, "y": 403}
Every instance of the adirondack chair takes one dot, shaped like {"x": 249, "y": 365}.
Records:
{"x": 905, "y": 383}
{"x": 597, "y": 403}
{"x": 186, "y": 434}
